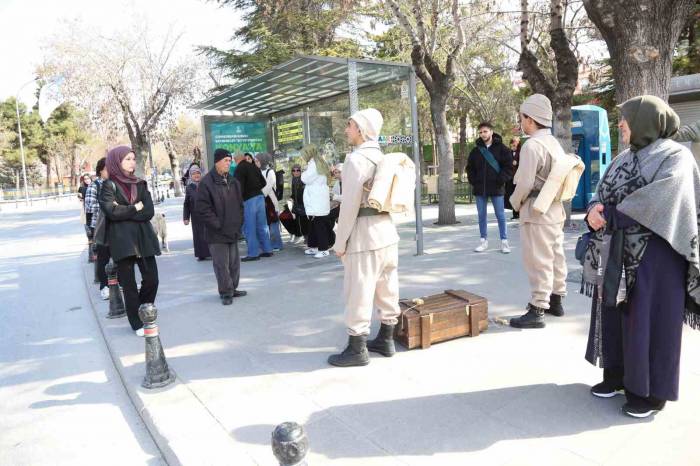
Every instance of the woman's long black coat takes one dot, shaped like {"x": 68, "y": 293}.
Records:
{"x": 129, "y": 232}
{"x": 199, "y": 230}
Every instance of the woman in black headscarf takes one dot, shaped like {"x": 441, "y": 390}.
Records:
{"x": 189, "y": 213}
{"x": 299, "y": 227}
{"x": 128, "y": 208}
{"x": 641, "y": 264}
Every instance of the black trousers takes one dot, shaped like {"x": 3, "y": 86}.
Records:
{"x": 321, "y": 233}
{"x": 133, "y": 297}
{"x": 102, "y": 260}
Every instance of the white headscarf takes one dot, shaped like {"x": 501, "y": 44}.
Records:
{"x": 370, "y": 122}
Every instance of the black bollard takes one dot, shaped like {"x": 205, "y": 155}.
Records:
{"x": 158, "y": 374}
{"x": 116, "y": 301}
{"x": 96, "y": 279}
{"x": 290, "y": 445}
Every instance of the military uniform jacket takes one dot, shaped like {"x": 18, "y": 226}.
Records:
{"x": 359, "y": 234}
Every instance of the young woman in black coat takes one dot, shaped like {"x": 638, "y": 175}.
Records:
{"x": 128, "y": 207}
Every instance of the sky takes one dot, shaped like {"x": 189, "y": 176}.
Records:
{"x": 25, "y": 24}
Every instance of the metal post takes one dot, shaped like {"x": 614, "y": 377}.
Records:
{"x": 158, "y": 374}
{"x": 290, "y": 445}
{"x": 21, "y": 144}
{"x": 413, "y": 98}
{"x": 116, "y": 301}
{"x": 352, "y": 87}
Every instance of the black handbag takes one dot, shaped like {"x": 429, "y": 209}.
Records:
{"x": 102, "y": 225}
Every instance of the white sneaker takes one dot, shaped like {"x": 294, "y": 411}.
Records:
{"x": 139, "y": 332}
{"x": 292, "y": 239}
{"x": 505, "y": 247}
{"x": 300, "y": 239}
{"x": 483, "y": 245}
{"x": 275, "y": 249}
{"x": 104, "y": 293}
{"x": 311, "y": 251}
{"x": 321, "y": 254}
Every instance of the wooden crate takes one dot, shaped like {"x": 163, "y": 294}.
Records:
{"x": 441, "y": 317}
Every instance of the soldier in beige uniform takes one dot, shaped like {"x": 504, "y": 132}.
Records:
{"x": 367, "y": 243}
{"x": 541, "y": 234}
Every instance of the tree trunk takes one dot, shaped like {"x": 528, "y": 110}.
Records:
{"x": 139, "y": 144}
{"x": 641, "y": 37}
{"x": 48, "y": 172}
{"x": 73, "y": 170}
{"x": 197, "y": 156}
{"x": 57, "y": 169}
{"x": 560, "y": 91}
{"x": 446, "y": 187}
{"x": 562, "y": 123}
{"x": 174, "y": 166}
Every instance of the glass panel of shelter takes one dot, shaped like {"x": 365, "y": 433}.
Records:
{"x": 384, "y": 87}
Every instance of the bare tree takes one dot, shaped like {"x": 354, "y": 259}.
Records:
{"x": 125, "y": 82}
{"x": 641, "y": 37}
{"x": 559, "y": 90}
{"x": 437, "y": 78}
{"x": 180, "y": 138}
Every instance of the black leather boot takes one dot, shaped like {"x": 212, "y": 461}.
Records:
{"x": 384, "y": 343}
{"x": 555, "y": 306}
{"x": 355, "y": 354}
{"x": 533, "y": 318}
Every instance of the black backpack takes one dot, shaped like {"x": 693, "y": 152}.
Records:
{"x": 279, "y": 178}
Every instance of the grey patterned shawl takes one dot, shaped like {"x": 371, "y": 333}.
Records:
{"x": 659, "y": 188}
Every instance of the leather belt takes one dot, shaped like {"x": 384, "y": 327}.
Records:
{"x": 369, "y": 212}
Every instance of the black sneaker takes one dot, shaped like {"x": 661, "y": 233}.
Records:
{"x": 227, "y": 300}
{"x": 641, "y": 408}
{"x": 266, "y": 254}
{"x": 606, "y": 389}
{"x": 250, "y": 259}
{"x": 533, "y": 318}
{"x": 239, "y": 293}
{"x": 555, "y": 307}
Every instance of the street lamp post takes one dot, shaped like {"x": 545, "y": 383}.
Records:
{"x": 21, "y": 142}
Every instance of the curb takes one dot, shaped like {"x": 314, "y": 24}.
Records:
{"x": 182, "y": 428}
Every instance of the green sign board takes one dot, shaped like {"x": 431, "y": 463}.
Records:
{"x": 237, "y": 136}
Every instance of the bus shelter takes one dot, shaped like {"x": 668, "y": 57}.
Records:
{"x": 308, "y": 100}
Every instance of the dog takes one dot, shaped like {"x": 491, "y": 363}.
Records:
{"x": 160, "y": 226}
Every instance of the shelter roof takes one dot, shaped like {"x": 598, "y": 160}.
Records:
{"x": 301, "y": 81}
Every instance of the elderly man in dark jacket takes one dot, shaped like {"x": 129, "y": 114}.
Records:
{"x": 489, "y": 166}
{"x": 220, "y": 206}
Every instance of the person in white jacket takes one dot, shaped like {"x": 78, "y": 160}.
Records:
{"x": 264, "y": 162}
{"x": 336, "y": 192}
{"x": 317, "y": 202}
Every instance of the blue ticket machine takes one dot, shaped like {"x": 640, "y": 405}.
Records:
{"x": 591, "y": 141}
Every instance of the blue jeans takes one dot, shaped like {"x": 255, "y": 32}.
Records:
{"x": 275, "y": 235}
{"x": 255, "y": 229}
{"x": 498, "y": 206}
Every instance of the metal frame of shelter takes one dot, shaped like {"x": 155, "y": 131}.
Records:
{"x": 308, "y": 79}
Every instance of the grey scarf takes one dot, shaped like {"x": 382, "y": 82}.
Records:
{"x": 659, "y": 188}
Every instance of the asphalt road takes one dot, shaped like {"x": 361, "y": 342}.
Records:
{"x": 61, "y": 399}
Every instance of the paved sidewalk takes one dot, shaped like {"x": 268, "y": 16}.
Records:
{"x": 508, "y": 397}
{"x": 61, "y": 400}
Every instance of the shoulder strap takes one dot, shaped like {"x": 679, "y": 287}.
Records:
{"x": 490, "y": 159}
